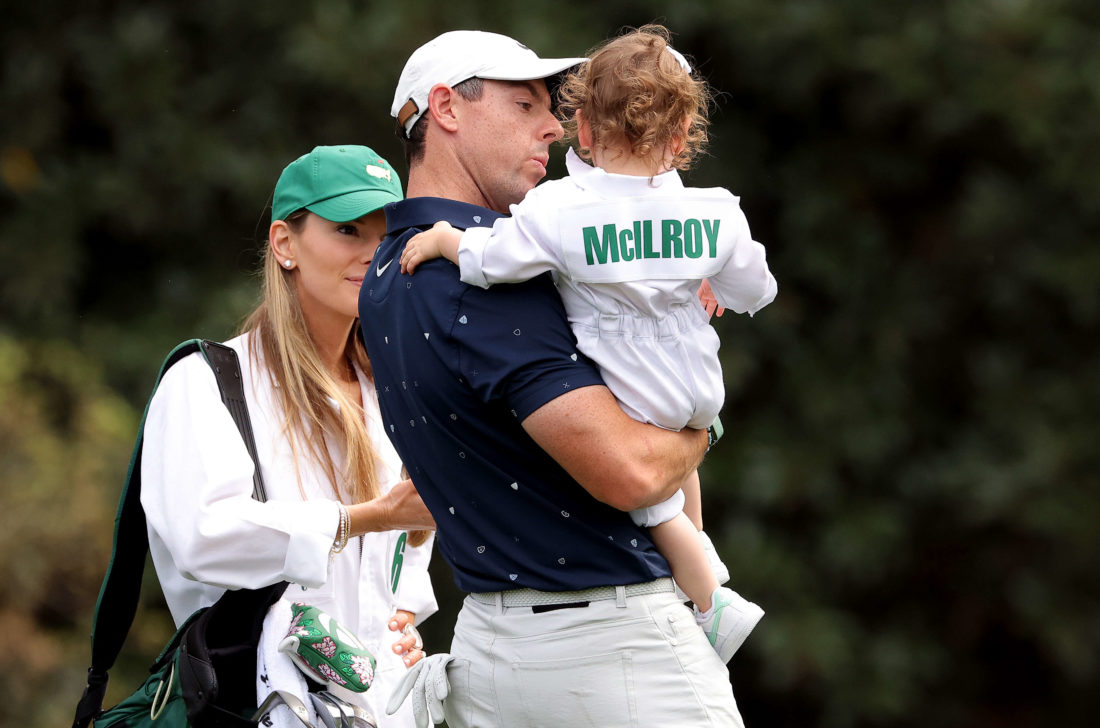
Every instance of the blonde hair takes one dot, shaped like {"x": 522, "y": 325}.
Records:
{"x": 634, "y": 93}
{"x": 303, "y": 385}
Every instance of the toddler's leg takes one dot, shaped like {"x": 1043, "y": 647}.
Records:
{"x": 721, "y": 573}
{"x": 693, "y": 500}
{"x": 678, "y": 541}
{"x": 693, "y": 507}
{"x": 726, "y": 617}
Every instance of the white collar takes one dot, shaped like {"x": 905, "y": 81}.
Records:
{"x": 596, "y": 179}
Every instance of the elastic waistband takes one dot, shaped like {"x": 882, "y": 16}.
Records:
{"x": 534, "y": 597}
{"x": 678, "y": 319}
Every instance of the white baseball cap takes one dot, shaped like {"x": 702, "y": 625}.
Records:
{"x": 458, "y": 55}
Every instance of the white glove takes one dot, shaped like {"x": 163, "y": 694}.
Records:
{"x": 427, "y": 681}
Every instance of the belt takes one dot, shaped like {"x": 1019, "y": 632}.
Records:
{"x": 534, "y": 597}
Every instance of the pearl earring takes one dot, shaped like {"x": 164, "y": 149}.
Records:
{"x": 288, "y": 263}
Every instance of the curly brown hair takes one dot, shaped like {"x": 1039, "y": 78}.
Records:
{"x": 635, "y": 94}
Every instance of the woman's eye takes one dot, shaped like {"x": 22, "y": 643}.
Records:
{"x": 346, "y": 229}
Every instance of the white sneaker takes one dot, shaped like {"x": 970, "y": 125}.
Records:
{"x": 721, "y": 573}
{"x": 728, "y": 622}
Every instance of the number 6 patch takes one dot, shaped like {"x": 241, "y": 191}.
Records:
{"x": 398, "y": 561}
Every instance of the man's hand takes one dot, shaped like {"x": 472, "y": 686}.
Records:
{"x": 427, "y": 681}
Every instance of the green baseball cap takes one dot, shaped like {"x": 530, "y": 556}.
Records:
{"x": 338, "y": 183}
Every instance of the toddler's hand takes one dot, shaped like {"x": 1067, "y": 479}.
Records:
{"x": 710, "y": 303}
{"x": 409, "y": 644}
{"x": 423, "y": 247}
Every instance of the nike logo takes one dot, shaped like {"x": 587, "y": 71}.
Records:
{"x": 382, "y": 268}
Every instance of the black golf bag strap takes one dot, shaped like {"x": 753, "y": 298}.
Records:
{"x": 227, "y": 370}
{"x": 119, "y": 595}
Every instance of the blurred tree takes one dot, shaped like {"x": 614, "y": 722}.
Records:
{"x": 65, "y": 442}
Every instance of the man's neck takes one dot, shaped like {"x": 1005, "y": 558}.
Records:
{"x": 442, "y": 177}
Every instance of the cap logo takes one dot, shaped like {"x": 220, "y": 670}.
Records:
{"x": 381, "y": 172}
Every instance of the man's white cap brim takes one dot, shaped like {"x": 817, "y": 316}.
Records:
{"x": 454, "y": 57}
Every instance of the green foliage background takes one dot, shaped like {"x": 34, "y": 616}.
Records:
{"x": 908, "y": 484}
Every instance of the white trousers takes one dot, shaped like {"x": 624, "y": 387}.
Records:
{"x": 629, "y": 663}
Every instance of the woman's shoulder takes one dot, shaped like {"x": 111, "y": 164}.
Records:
{"x": 193, "y": 369}
{"x": 250, "y": 354}
{"x": 241, "y": 344}
{"x": 258, "y": 379}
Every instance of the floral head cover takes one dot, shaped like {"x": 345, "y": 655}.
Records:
{"x": 325, "y": 651}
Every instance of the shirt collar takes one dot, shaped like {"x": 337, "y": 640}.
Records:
{"x": 423, "y": 212}
{"x": 596, "y": 179}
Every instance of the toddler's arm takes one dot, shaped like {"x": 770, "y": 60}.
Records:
{"x": 745, "y": 284}
{"x": 441, "y": 240}
{"x": 514, "y": 249}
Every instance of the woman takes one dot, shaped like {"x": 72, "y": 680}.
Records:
{"x": 334, "y": 525}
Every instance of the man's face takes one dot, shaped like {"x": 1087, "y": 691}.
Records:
{"x": 504, "y": 140}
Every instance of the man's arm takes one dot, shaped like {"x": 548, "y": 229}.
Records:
{"x": 620, "y": 461}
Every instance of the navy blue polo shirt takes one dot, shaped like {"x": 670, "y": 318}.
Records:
{"x": 457, "y": 369}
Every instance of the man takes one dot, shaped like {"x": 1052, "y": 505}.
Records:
{"x": 525, "y": 459}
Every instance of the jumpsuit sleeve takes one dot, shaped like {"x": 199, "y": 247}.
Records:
{"x": 516, "y": 248}
{"x": 744, "y": 284}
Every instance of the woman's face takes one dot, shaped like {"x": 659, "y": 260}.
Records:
{"x": 330, "y": 260}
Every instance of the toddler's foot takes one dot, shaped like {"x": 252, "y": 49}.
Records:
{"x": 721, "y": 573}
{"x": 728, "y": 622}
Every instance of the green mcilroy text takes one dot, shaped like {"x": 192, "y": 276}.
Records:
{"x": 679, "y": 239}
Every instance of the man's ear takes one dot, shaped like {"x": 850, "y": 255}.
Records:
{"x": 441, "y": 106}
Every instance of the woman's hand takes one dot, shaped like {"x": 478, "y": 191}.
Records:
{"x": 409, "y": 645}
{"x": 399, "y": 509}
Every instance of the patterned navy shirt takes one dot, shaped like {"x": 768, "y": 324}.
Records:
{"x": 457, "y": 369}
